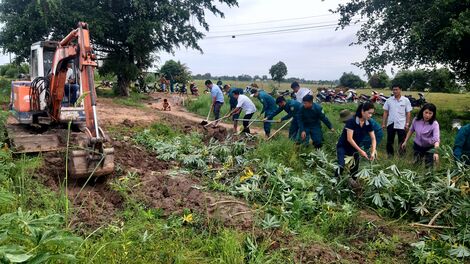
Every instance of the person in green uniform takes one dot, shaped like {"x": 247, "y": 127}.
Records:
{"x": 309, "y": 118}
{"x": 269, "y": 107}
{"x": 292, "y": 108}
{"x": 462, "y": 145}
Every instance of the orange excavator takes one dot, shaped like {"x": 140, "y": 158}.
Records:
{"x": 46, "y": 119}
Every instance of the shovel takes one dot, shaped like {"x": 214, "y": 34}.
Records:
{"x": 205, "y": 122}
{"x": 258, "y": 120}
{"x": 217, "y": 120}
{"x": 251, "y": 123}
{"x": 290, "y": 120}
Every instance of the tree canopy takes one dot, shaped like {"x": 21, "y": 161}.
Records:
{"x": 176, "y": 71}
{"x": 379, "y": 80}
{"x": 278, "y": 71}
{"x": 125, "y": 33}
{"x": 351, "y": 80}
{"x": 436, "y": 80}
{"x": 411, "y": 33}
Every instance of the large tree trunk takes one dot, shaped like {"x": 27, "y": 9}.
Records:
{"x": 123, "y": 85}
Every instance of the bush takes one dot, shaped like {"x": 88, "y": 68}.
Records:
{"x": 150, "y": 78}
{"x": 12, "y": 73}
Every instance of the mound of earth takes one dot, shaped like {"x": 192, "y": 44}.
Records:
{"x": 173, "y": 194}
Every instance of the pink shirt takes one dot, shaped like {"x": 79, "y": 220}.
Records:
{"x": 426, "y": 134}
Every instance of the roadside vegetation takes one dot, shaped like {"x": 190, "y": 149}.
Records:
{"x": 300, "y": 212}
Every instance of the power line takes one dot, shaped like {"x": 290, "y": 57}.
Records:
{"x": 276, "y": 27}
{"x": 280, "y": 31}
{"x": 272, "y": 21}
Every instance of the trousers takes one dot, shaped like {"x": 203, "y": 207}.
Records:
{"x": 391, "y": 132}
{"x": 341, "y": 153}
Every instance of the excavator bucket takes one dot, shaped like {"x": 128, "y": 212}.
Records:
{"x": 23, "y": 140}
{"x": 85, "y": 163}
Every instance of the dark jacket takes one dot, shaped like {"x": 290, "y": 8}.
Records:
{"x": 269, "y": 103}
{"x": 292, "y": 108}
{"x": 462, "y": 143}
{"x": 310, "y": 118}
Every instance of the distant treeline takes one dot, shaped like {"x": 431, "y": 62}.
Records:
{"x": 249, "y": 78}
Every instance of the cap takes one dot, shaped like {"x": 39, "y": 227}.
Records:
{"x": 294, "y": 85}
{"x": 345, "y": 115}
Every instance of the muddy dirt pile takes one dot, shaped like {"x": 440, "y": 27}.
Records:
{"x": 173, "y": 194}
{"x": 135, "y": 158}
{"x": 93, "y": 204}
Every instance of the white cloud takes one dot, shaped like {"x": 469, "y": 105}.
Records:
{"x": 320, "y": 53}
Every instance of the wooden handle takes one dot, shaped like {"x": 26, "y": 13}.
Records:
{"x": 290, "y": 120}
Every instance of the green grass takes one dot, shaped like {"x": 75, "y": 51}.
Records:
{"x": 139, "y": 234}
{"x": 134, "y": 100}
{"x": 456, "y": 102}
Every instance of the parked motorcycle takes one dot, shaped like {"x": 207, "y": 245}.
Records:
{"x": 417, "y": 102}
{"x": 340, "y": 98}
{"x": 321, "y": 96}
{"x": 351, "y": 96}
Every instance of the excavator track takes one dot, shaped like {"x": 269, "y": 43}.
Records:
{"x": 25, "y": 140}
{"x": 84, "y": 161}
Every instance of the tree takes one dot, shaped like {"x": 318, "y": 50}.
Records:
{"x": 437, "y": 80}
{"x": 176, "y": 71}
{"x": 351, "y": 80}
{"x": 404, "y": 79}
{"x": 278, "y": 71}
{"x": 265, "y": 77}
{"x": 126, "y": 32}
{"x": 442, "y": 80}
{"x": 379, "y": 80}
{"x": 420, "y": 80}
{"x": 244, "y": 78}
{"x": 411, "y": 33}
{"x": 207, "y": 76}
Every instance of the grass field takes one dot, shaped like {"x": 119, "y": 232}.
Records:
{"x": 300, "y": 212}
{"x": 457, "y": 102}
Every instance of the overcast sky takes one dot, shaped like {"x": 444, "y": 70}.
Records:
{"x": 318, "y": 52}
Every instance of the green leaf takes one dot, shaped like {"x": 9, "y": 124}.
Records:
{"x": 460, "y": 252}
{"x": 377, "y": 200}
{"x": 17, "y": 258}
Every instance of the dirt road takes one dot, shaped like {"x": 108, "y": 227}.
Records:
{"x": 113, "y": 114}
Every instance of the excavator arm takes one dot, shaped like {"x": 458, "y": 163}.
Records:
{"x": 75, "y": 45}
{"x": 93, "y": 158}
{"x": 40, "y": 112}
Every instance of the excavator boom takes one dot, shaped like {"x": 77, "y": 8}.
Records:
{"x": 45, "y": 112}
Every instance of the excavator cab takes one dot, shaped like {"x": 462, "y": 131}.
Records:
{"x": 42, "y": 110}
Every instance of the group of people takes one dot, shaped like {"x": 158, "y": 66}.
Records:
{"x": 361, "y": 133}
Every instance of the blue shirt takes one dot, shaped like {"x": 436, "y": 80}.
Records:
{"x": 233, "y": 100}
{"x": 379, "y": 134}
{"x": 310, "y": 118}
{"x": 358, "y": 133}
{"x": 292, "y": 108}
{"x": 217, "y": 93}
{"x": 269, "y": 103}
{"x": 462, "y": 143}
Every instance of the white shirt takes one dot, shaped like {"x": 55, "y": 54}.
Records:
{"x": 246, "y": 104}
{"x": 301, "y": 93}
{"x": 69, "y": 75}
{"x": 397, "y": 110}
